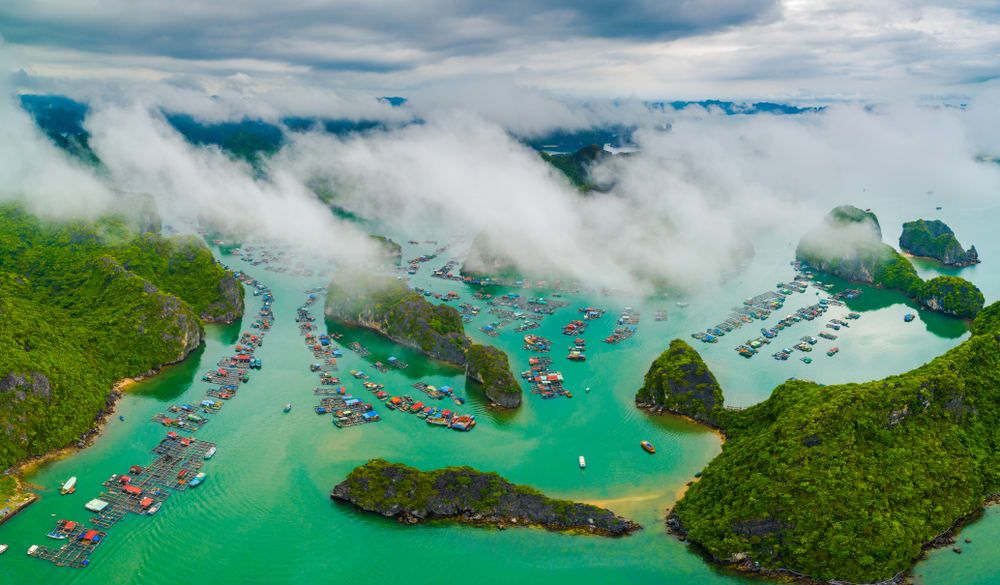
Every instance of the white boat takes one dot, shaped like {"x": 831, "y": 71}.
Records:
{"x": 96, "y": 505}
{"x": 583, "y": 462}
{"x": 32, "y": 549}
{"x": 288, "y": 407}
{"x": 197, "y": 480}
{"x": 68, "y": 487}
{"x": 153, "y": 509}
{"x": 3, "y": 548}
{"x": 210, "y": 453}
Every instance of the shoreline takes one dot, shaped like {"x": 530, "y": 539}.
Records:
{"x": 85, "y": 440}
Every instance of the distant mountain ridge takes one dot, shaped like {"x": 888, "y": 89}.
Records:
{"x": 62, "y": 120}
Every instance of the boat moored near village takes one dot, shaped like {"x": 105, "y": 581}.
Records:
{"x": 69, "y": 486}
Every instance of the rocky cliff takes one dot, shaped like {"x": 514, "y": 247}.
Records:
{"x": 387, "y": 306}
{"x": 934, "y": 239}
{"x": 465, "y": 495}
{"x": 486, "y": 257}
{"x": 847, "y": 243}
{"x": 490, "y": 367}
{"x": 678, "y": 381}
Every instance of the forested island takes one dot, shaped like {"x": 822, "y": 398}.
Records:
{"x": 848, "y": 244}
{"x": 85, "y": 305}
{"x": 462, "y": 494}
{"x": 934, "y": 239}
{"x": 576, "y": 166}
{"x": 490, "y": 367}
{"x": 387, "y": 306}
{"x": 851, "y": 481}
{"x": 681, "y": 383}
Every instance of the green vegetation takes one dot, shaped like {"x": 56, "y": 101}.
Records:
{"x": 851, "y": 481}
{"x": 952, "y": 295}
{"x": 467, "y": 495}
{"x": 680, "y": 382}
{"x": 490, "y": 367}
{"x": 386, "y": 305}
{"x": 934, "y": 239}
{"x": 849, "y": 244}
{"x": 391, "y": 251}
{"x": 576, "y": 166}
{"x": 184, "y": 267}
{"x": 74, "y": 320}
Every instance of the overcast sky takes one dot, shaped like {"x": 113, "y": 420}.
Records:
{"x": 673, "y": 49}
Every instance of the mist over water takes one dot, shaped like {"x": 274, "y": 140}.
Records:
{"x": 692, "y": 201}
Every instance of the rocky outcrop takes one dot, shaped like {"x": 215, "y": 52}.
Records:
{"x": 486, "y": 257}
{"x": 465, "y": 495}
{"x": 678, "y": 381}
{"x": 388, "y": 307}
{"x": 951, "y": 295}
{"x": 934, "y": 239}
{"x": 490, "y": 367}
{"x": 848, "y": 243}
{"x": 229, "y": 307}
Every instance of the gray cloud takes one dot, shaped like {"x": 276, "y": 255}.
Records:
{"x": 355, "y": 35}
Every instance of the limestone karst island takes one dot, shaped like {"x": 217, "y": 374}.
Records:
{"x": 537, "y": 292}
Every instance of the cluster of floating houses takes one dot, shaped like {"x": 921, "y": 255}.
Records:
{"x": 347, "y": 410}
{"x": 178, "y": 460}
{"x": 762, "y": 306}
{"x": 545, "y": 382}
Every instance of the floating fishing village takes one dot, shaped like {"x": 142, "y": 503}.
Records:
{"x": 762, "y": 306}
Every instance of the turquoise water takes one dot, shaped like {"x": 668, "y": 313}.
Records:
{"x": 264, "y": 515}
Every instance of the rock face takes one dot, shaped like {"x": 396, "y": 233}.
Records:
{"x": 848, "y": 243}
{"x": 919, "y": 451}
{"x": 490, "y": 367}
{"x": 934, "y": 239}
{"x": 465, "y": 495}
{"x": 385, "y": 305}
{"x": 486, "y": 258}
{"x": 391, "y": 251}
{"x": 680, "y": 382}
{"x": 229, "y": 307}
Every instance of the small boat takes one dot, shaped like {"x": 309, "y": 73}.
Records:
{"x": 210, "y": 453}
{"x": 196, "y": 481}
{"x": 121, "y": 418}
{"x": 32, "y": 549}
{"x": 288, "y": 407}
{"x": 583, "y": 462}
{"x": 3, "y": 548}
{"x": 833, "y": 351}
{"x": 56, "y": 535}
{"x": 807, "y": 360}
{"x": 588, "y": 390}
{"x": 153, "y": 509}
{"x": 908, "y": 317}
{"x": 68, "y": 487}
{"x": 647, "y": 447}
